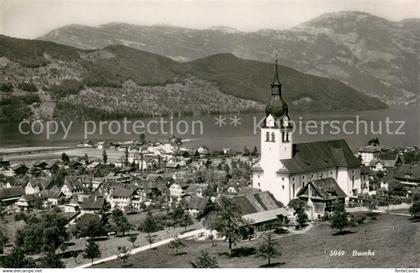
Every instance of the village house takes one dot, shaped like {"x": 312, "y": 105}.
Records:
{"x": 260, "y": 210}
{"x": 32, "y": 187}
{"x": 321, "y": 197}
{"x": 10, "y": 195}
{"x": 384, "y": 162}
{"x": 197, "y": 205}
{"x": 126, "y": 198}
{"x": 408, "y": 174}
{"x": 72, "y": 205}
{"x": 6, "y": 172}
{"x": 51, "y": 196}
{"x": 176, "y": 190}
{"x": 197, "y": 189}
{"x": 369, "y": 152}
{"x": 19, "y": 168}
{"x": 366, "y": 175}
{"x": 72, "y": 186}
{"x": 93, "y": 204}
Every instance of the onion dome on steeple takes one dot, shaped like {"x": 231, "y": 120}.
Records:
{"x": 277, "y": 107}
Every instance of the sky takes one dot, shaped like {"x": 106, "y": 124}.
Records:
{"x": 33, "y": 18}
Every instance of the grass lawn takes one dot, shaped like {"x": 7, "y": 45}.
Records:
{"x": 394, "y": 240}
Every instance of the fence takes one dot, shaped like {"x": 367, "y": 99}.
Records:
{"x": 380, "y": 208}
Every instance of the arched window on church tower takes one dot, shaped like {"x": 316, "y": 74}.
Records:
{"x": 285, "y": 136}
{"x": 282, "y": 136}
{"x": 273, "y": 137}
{"x": 267, "y": 136}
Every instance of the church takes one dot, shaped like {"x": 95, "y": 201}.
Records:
{"x": 285, "y": 168}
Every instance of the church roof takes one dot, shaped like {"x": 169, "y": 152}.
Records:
{"x": 256, "y": 202}
{"x": 320, "y": 155}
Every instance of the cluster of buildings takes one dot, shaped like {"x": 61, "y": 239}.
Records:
{"x": 80, "y": 186}
{"x": 162, "y": 175}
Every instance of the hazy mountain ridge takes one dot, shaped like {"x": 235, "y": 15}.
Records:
{"x": 374, "y": 55}
{"x": 121, "y": 81}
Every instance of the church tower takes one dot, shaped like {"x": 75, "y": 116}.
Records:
{"x": 276, "y": 137}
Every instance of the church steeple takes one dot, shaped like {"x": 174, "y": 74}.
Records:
{"x": 276, "y": 84}
{"x": 277, "y": 107}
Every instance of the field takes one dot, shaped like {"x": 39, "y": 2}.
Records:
{"x": 393, "y": 239}
{"x": 51, "y": 153}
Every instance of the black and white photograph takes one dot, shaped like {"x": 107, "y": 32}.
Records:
{"x": 168, "y": 134}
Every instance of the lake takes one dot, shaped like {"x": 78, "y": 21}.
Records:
{"x": 355, "y": 127}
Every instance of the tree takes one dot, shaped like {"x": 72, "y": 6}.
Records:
{"x": 86, "y": 158}
{"x": 415, "y": 209}
{"x": 28, "y": 86}
{"x": 3, "y": 241}
{"x": 176, "y": 244}
{"x": 226, "y": 168}
{"x": 211, "y": 238}
{"x": 51, "y": 260}
{"x": 17, "y": 259}
{"x": 297, "y": 204}
{"x": 301, "y": 218}
{"x": 59, "y": 177}
{"x": 268, "y": 249}
{"x": 150, "y": 240}
{"x": 229, "y": 222}
{"x": 245, "y": 151}
{"x": 6, "y": 88}
{"x": 255, "y": 151}
{"x": 121, "y": 223}
{"x": 132, "y": 239}
{"x": 205, "y": 261}
{"x": 75, "y": 254}
{"x": 104, "y": 157}
{"x": 89, "y": 225}
{"x": 126, "y": 153}
{"x": 46, "y": 232}
{"x": 186, "y": 220}
{"x": 142, "y": 138}
{"x": 123, "y": 254}
{"x": 92, "y": 250}
{"x": 149, "y": 225}
{"x": 65, "y": 158}
{"x": 339, "y": 219}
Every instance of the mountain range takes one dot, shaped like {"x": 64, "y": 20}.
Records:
{"x": 42, "y": 79}
{"x": 371, "y": 54}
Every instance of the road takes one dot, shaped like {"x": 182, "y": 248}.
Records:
{"x": 146, "y": 247}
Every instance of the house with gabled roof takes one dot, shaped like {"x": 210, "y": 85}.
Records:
{"x": 11, "y": 195}
{"x": 126, "y": 197}
{"x": 93, "y": 204}
{"x": 321, "y": 196}
{"x": 385, "y": 161}
{"x": 32, "y": 187}
{"x": 260, "y": 210}
{"x": 197, "y": 189}
{"x": 72, "y": 205}
{"x": 72, "y": 186}
{"x": 19, "y": 168}
{"x": 27, "y": 201}
{"x": 52, "y": 196}
{"x": 197, "y": 205}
